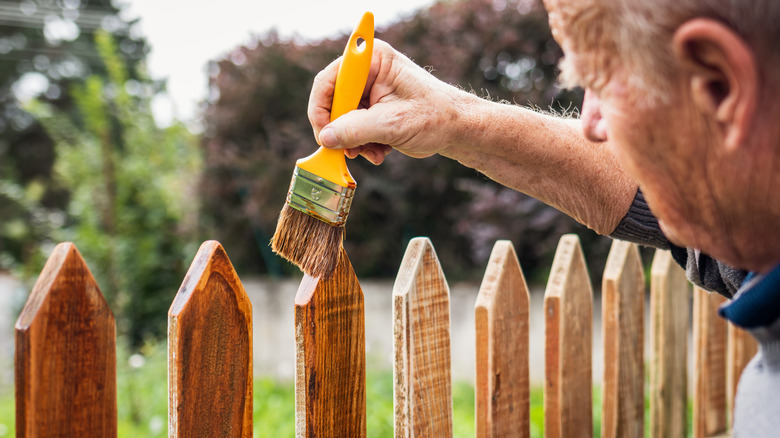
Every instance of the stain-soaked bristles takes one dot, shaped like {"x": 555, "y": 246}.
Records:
{"x": 309, "y": 243}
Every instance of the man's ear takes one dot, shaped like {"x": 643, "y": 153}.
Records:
{"x": 722, "y": 75}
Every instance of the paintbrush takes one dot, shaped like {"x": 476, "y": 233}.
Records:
{"x": 310, "y": 230}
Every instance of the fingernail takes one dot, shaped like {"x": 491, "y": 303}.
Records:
{"x": 328, "y": 137}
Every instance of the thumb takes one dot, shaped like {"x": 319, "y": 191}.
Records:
{"x": 353, "y": 129}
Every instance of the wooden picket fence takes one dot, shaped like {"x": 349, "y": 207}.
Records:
{"x": 66, "y": 352}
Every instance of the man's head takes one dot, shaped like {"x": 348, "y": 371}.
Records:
{"x": 637, "y": 34}
{"x": 685, "y": 93}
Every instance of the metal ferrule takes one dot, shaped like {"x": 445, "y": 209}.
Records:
{"x": 319, "y": 197}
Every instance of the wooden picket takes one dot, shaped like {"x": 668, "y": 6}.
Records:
{"x": 670, "y": 296}
{"x": 210, "y": 351}
{"x": 623, "y": 310}
{"x": 502, "y": 387}
{"x": 65, "y": 356}
{"x": 709, "y": 365}
{"x": 66, "y": 350}
{"x": 568, "y": 310}
{"x": 421, "y": 332}
{"x": 330, "y": 382}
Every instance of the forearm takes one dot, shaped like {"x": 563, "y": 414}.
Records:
{"x": 543, "y": 156}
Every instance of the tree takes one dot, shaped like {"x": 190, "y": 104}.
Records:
{"x": 131, "y": 185}
{"x": 46, "y": 46}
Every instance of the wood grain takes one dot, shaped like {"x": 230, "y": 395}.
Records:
{"x": 741, "y": 349}
{"x": 501, "y": 317}
{"x": 330, "y": 384}
{"x": 623, "y": 310}
{"x": 421, "y": 311}
{"x": 568, "y": 309}
{"x": 709, "y": 365}
{"x": 210, "y": 351}
{"x": 670, "y": 295}
{"x": 65, "y": 357}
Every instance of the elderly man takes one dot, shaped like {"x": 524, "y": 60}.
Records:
{"x": 680, "y": 110}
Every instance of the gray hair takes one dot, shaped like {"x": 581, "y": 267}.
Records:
{"x": 647, "y": 26}
{"x": 639, "y": 33}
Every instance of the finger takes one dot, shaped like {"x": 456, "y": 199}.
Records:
{"x": 352, "y": 153}
{"x": 378, "y": 153}
{"x": 357, "y": 128}
{"x": 321, "y": 96}
{"x": 373, "y": 156}
{"x": 374, "y": 153}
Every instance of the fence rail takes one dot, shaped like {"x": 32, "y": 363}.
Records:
{"x": 65, "y": 362}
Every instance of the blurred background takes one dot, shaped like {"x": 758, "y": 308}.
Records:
{"x": 138, "y": 129}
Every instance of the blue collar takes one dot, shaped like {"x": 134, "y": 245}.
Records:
{"x": 757, "y": 302}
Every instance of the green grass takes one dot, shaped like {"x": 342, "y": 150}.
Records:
{"x": 7, "y": 413}
{"x": 143, "y": 402}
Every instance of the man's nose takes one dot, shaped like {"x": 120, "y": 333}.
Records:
{"x": 593, "y": 125}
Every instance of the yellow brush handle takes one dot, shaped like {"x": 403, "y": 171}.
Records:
{"x": 350, "y": 82}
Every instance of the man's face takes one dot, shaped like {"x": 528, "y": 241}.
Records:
{"x": 661, "y": 145}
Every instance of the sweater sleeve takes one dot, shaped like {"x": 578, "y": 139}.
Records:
{"x": 641, "y": 226}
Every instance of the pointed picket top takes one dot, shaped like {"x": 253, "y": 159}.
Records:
{"x": 502, "y": 377}
{"x": 623, "y": 310}
{"x": 568, "y": 309}
{"x": 709, "y": 365}
{"x": 330, "y": 350}
{"x": 210, "y": 350}
{"x": 65, "y": 364}
{"x": 670, "y": 294}
{"x": 422, "y": 374}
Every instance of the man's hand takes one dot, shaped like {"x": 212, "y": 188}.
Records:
{"x": 403, "y": 107}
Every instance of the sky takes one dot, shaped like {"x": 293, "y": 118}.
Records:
{"x": 185, "y": 34}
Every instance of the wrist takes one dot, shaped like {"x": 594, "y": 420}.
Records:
{"x": 467, "y": 116}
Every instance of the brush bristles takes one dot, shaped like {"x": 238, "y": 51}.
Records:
{"x": 311, "y": 244}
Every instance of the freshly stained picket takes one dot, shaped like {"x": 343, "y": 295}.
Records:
{"x": 421, "y": 311}
{"x": 568, "y": 310}
{"x": 670, "y": 295}
{"x": 709, "y": 365}
{"x": 623, "y": 309}
{"x": 501, "y": 318}
{"x": 65, "y": 357}
{"x": 330, "y": 384}
{"x": 210, "y": 351}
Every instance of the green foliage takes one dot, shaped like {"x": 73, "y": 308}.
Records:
{"x": 131, "y": 184}
{"x": 56, "y": 61}
{"x": 26, "y": 224}
{"x": 142, "y": 391}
